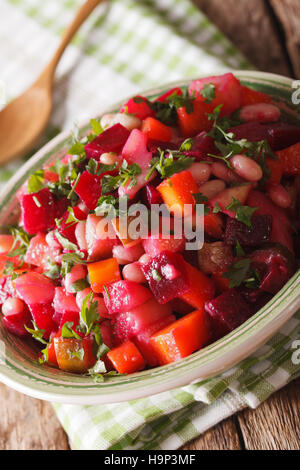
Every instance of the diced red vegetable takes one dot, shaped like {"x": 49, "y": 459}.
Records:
{"x": 156, "y": 130}
{"x": 138, "y": 106}
{"x": 177, "y": 191}
{"x": 132, "y": 322}
{"x": 182, "y": 338}
{"x": 126, "y": 358}
{"x": 34, "y": 288}
{"x": 111, "y": 140}
{"x": 102, "y": 273}
{"x": 88, "y": 189}
{"x": 257, "y": 234}
{"x": 228, "y": 92}
{"x": 227, "y": 312}
{"x": 195, "y": 121}
{"x": 37, "y": 211}
{"x": 290, "y": 159}
{"x": 68, "y": 360}
{"x": 281, "y": 225}
{"x": 42, "y": 314}
{"x": 123, "y": 296}
{"x": 40, "y": 253}
{"x": 250, "y": 96}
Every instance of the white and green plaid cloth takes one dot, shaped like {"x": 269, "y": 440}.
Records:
{"x": 122, "y": 49}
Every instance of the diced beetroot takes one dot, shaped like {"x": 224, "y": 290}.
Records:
{"x": 40, "y": 253}
{"x": 153, "y": 196}
{"x": 228, "y": 91}
{"x": 258, "y": 233}
{"x": 64, "y": 302}
{"x": 132, "y": 322}
{"x": 282, "y": 135}
{"x": 16, "y": 327}
{"x": 281, "y": 225}
{"x": 165, "y": 289}
{"x": 153, "y": 246}
{"x": 99, "y": 245}
{"x": 226, "y": 312}
{"x": 153, "y": 145}
{"x": 142, "y": 340}
{"x": 107, "y": 334}
{"x": 34, "y": 288}
{"x": 138, "y": 106}
{"x": 252, "y": 131}
{"x": 279, "y": 135}
{"x": 135, "y": 151}
{"x": 38, "y": 211}
{"x": 88, "y": 189}
{"x": 16, "y": 315}
{"x": 122, "y": 296}
{"x": 67, "y": 230}
{"x": 69, "y": 316}
{"x": 42, "y": 314}
{"x": 275, "y": 265}
{"x": 225, "y": 197}
{"x": 61, "y": 205}
{"x": 203, "y": 143}
{"x": 111, "y": 140}
{"x": 174, "y": 91}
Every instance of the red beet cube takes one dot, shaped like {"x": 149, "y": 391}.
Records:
{"x": 38, "y": 211}
{"x": 163, "y": 287}
{"x": 258, "y": 233}
{"x": 275, "y": 265}
{"x": 42, "y": 314}
{"x": 138, "y": 105}
{"x": 226, "y": 312}
{"x": 88, "y": 189}
{"x": 111, "y": 140}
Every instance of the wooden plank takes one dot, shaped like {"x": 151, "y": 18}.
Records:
{"x": 275, "y": 425}
{"x": 224, "y": 436}
{"x": 27, "y": 423}
{"x": 251, "y": 27}
{"x": 288, "y": 13}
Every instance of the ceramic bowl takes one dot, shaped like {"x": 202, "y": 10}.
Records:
{"x": 19, "y": 367}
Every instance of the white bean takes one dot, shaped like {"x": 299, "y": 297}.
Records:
{"x": 80, "y": 235}
{"x": 222, "y": 172}
{"x": 127, "y": 255}
{"x": 260, "y": 112}
{"x": 200, "y": 172}
{"x": 110, "y": 158}
{"x": 13, "y": 306}
{"x": 279, "y": 195}
{"x": 144, "y": 259}
{"x": 246, "y": 168}
{"x": 212, "y": 188}
{"x": 133, "y": 272}
{"x": 127, "y": 120}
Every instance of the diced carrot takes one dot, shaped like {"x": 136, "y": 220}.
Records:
{"x": 156, "y": 130}
{"x": 201, "y": 289}
{"x": 181, "y": 338}
{"x": 290, "y": 159}
{"x": 126, "y": 358}
{"x": 250, "y": 96}
{"x": 178, "y": 190}
{"x": 69, "y": 350}
{"x": 6, "y": 243}
{"x": 191, "y": 123}
{"x": 121, "y": 226}
{"x": 222, "y": 283}
{"x": 213, "y": 225}
{"x": 103, "y": 272}
{"x": 275, "y": 167}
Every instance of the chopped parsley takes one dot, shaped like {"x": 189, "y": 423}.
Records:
{"x": 242, "y": 213}
{"x": 208, "y": 92}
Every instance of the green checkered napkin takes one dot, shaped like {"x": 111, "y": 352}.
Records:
{"x": 122, "y": 49}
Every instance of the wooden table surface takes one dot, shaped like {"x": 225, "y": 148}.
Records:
{"x": 268, "y": 33}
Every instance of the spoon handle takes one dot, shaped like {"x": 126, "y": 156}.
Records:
{"x": 84, "y": 11}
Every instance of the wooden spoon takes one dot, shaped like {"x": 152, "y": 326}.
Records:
{"x": 23, "y": 120}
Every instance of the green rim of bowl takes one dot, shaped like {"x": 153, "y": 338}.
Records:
{"x": 19, "y": 367}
